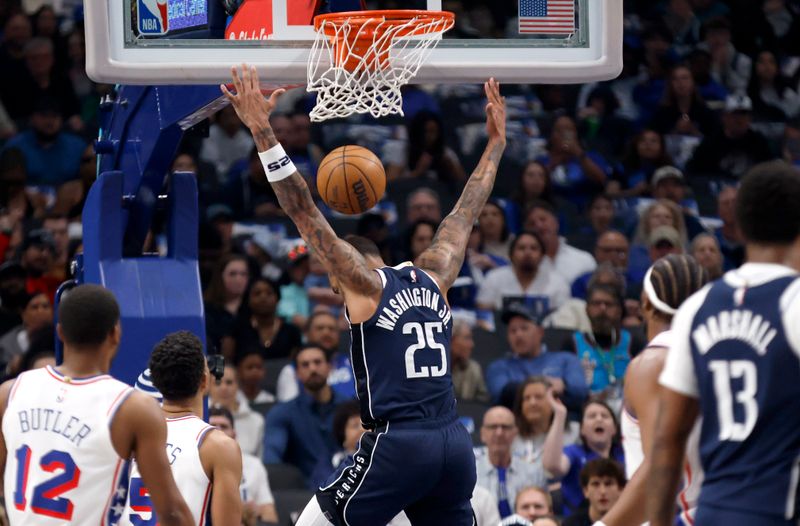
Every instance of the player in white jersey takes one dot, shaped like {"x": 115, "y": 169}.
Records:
{"x": 667, "y": 284}
{"x": 67, "y": 430}
{"x": 205, "y": 462}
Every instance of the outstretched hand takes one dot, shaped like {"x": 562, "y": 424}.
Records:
{"x": 555, "y": 403}
{"x": 250, "y": 104}
{"x": 495, "y": 111}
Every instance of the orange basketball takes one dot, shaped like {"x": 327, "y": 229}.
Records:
{"x": 351, "y": 179}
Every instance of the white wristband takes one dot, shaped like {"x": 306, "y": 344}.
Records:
{"x": 599, "y": 523}
{"x": 277, "y": 164}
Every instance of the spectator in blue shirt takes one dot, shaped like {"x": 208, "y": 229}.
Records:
{"x": 529, "y": 358}
{"x": 576, "y": 173}
{"x": 599, "y": 439}
{"x": 52, "y": 156}
{"x": 301, "y": 430}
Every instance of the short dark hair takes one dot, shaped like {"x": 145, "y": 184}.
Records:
{"x": 343, "y": 413}
{"x": 177, "y": 365}
{"x": 317, "y": 314}
{"x": 519, "y": 236}
{"x": 606, "y": 288}
{"x": 311, "y": 345}
{"x": 537, "y": 204}
{"x": 87, "y": 315}
{"x": 239, "y": 356}
{"x": 224, "y": 412}
{"x": 602, "y": 467}
{"x": 366, "y": 247}
{"x": 767, "y": 208}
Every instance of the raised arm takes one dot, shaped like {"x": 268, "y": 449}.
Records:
{"x": 338, "y": 256}
{"x": 445, "y": 256}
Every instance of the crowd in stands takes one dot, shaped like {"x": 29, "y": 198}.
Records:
{"x": 598, "y": 181}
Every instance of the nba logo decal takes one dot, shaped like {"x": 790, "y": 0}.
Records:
{"x": 413, "y": 276}
{"x": 152, "y": 17}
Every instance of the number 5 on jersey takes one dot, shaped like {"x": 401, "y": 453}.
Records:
{"x": 425, "y": 340}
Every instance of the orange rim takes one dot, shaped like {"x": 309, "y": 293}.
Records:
{"x": 371, "y": 24}
{"x": 390, "y": 17}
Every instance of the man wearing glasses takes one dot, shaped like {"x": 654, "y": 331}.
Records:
{"x": 499, "y": 471}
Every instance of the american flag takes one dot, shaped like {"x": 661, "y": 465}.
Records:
{"x": 120, "y": 498}
{"x": 547, "y": 17}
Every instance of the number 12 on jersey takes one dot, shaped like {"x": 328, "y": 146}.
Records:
{"x": 47, "y": 498}
{"x": 425, "y": 340}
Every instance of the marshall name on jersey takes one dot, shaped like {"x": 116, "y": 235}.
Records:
{"x": 736, "y": 348}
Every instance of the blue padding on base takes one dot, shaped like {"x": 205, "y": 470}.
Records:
{"x": 156, "y": 295}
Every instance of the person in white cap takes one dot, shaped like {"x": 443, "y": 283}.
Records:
{"x": 736, "y": 147}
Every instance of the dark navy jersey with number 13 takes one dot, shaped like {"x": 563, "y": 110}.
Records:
{"x": 401, "y": 355}
{"x": 737, "y": 349}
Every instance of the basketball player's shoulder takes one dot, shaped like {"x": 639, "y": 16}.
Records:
{"x": 5, "y": 393}
{"x": 218, "y": 450}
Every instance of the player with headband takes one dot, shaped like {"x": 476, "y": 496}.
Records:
{"x": 669, "y": 282}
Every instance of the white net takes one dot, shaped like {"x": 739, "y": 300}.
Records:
{"x": 358, "y": 65}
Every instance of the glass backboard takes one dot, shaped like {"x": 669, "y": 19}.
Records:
{"x": 197, "y": 42}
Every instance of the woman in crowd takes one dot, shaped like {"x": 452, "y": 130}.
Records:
{"x": 495, "y": 236}
{"x": 774, "y": 98}
{"x": 224, "y": 296}
{"x": 646, "y": 153}
{"x": 258, "y": 325}
{"x": 576, "y": 173}
{"x": 419, "y": 238}
{"x": 599, "y": 438}
{"x": 682, "y": 110}
{"x": 534, "y": 415}
{"x": 426, "y": 154}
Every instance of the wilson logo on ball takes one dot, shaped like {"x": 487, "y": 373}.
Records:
{"x": 361, "y": 195}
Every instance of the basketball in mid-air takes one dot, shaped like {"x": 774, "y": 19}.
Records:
{"x": 351, "y": 179}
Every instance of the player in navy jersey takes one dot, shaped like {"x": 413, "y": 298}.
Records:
{"x": 735, "y": 361}
{"x": 415, "y": 456}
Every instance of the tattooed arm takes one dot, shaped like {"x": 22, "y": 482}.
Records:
{"x": 676, "y": 416}
{"x": 339, "y": 257}
{"x": 445, "y": 256}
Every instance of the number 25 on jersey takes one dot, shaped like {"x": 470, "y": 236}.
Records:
{"x": 425, "y": 340}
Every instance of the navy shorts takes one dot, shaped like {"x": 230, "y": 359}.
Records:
{"x": 713, "y": 516}
{"x": 426, "y": 469}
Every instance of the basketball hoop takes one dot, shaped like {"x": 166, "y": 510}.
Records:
{"x": 361, "y": 59}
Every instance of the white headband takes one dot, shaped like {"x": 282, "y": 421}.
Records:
{"x": 653, "y": 297}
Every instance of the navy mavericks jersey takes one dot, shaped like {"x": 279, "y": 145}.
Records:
{"x": 401, "y": 355}
{"x": 738, "y": 351}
